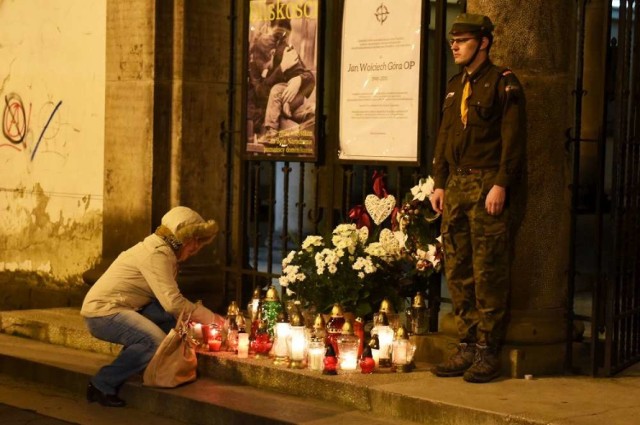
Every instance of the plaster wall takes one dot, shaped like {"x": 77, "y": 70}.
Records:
{"x": 52, "y": 87}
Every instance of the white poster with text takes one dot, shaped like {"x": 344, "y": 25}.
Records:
{"x": 380, "y": 80}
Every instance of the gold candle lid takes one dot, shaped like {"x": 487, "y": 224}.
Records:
{"x": 319, "y": 322}
{"x": 347, "y": 328}
{"x": 382, "y": 319}
{"x": 401, "y": 333}
{"x": 240, "y": 321}
{"x": 386, "y": 307}
{"x": 272, "y": 294}
{"x": 336, "y": 311}
{"x": 296, "y": 319}
{"x": 418, "y": 301}
{"x": 233, "y": 309}
{"x": 256, "y": 294}
{"x": 282, "y": 317}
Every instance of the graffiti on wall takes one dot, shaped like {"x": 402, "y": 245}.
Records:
{"x": 16, "y": 119}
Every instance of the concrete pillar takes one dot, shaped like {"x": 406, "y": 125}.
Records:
{"x": 129, "y": 124}
{"x": 535, "y": 39}
{"x": 166, "y": 99}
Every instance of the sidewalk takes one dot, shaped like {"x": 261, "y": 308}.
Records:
{"x": 274, "y": 394}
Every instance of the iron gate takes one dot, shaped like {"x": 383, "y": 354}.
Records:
{"x": 614, "y": 319}
{"x": 279, "y": 203}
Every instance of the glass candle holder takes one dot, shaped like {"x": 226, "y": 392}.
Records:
{"x": 243, "y": 345}
{"x": 403, "y": 351}
{"x": 280, "y": 345}
{"x": 334, "y": 326}
{"x": 348, "y": 345}
{"x": 315, "y": 354}
{"x": 261, "y": 343}
{"x": 297, "y": 347}
{"x": 385, "y": 336}
{"x": 214, "y": 341}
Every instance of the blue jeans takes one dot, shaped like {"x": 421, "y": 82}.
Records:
{"x": 140, "y": 332}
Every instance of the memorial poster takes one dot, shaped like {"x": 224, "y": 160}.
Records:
{"x": 282, "y": 77}
{"x": 380, "y": 80}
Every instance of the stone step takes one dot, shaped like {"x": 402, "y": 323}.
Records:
{"x": 229, "y": 385}
{"x": 206, "y": 401}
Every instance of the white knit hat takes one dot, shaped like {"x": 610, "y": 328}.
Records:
{"x": 185, "y": 223}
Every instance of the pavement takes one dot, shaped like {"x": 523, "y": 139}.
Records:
{"x": 232, "y": 390}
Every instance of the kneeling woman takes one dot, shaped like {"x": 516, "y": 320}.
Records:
{"x": 137, "y": 300}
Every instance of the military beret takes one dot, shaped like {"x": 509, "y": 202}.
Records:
{"x": 470, "y": 22}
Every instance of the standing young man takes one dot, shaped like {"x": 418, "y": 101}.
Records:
{"x": 479, "y": 153}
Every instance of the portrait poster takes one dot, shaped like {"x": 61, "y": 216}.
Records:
{"x": 380, "y": 82}
{"x": 282, "y": 75}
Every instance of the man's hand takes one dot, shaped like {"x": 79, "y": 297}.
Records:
{"x": 289, "y": 58}
{"x": 293, "y": 87}
{"x": 437, "y": 200}
{"x": 494, "y": 203}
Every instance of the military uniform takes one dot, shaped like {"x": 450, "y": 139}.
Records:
{"x": 470, "y": 158}
{"x": 468, "y": 162}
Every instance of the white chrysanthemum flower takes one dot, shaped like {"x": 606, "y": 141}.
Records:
{"x": 363, "y": 234}
{"x": 345, "y": 236}
{"x": 375, "y": 249}
{"x": 312, "y": 241}
{"x": 364, "y": 265}
{"x": 284, "y": 281}
{"x": 361, "y": 275}
{"x": 332, "y": 269}
{"x": 424, "y": 189}
{"x": 288, "y": 259}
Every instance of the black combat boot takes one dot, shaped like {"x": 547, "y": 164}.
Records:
{"x": 458, "y": 363}
{"x": 486, "y": 366}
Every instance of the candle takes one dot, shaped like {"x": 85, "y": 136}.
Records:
{"x": 214, "y": 344}
{"x": 348, "y": 360}
{"x": 215, "y": 340}
{"x": 206, "y": 332}
{"x": 298, "y": 343}
{"x": 243, "y": 345}
{"x": 385, "y": 335}
{"x": 316, "y": 355}
{"x": 375, "y": 353}
{"x": 197, "y": 330}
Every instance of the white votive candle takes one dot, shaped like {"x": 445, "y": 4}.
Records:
{"x": 243, "y": 345}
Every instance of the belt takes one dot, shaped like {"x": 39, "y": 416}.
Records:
{"x": 466, "y": 171}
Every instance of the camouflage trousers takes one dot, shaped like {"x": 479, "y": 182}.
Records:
{"x": 476, "y": 249}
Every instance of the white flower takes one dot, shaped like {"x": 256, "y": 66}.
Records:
{"x": 361, "y": 275}
{"x": 345, "y": 236}
{"x": 376, "y": 249}
{"x": 288, "y": 259}
{"x": 402, "y": 238}
{"x": 312, "y": 241}
{"x": 424, "y": 189}
{"x": 364, "y": 265}
{"x": 431, "y": 255}
{"x": 363, "y": 234}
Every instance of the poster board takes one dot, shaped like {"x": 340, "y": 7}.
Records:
{"x": 380, "y": 80}
{"x": 281, "y": 98}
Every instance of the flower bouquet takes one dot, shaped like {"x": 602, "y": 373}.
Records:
{"x": 365, "y": 262}
{"x": 346, "y": 269}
